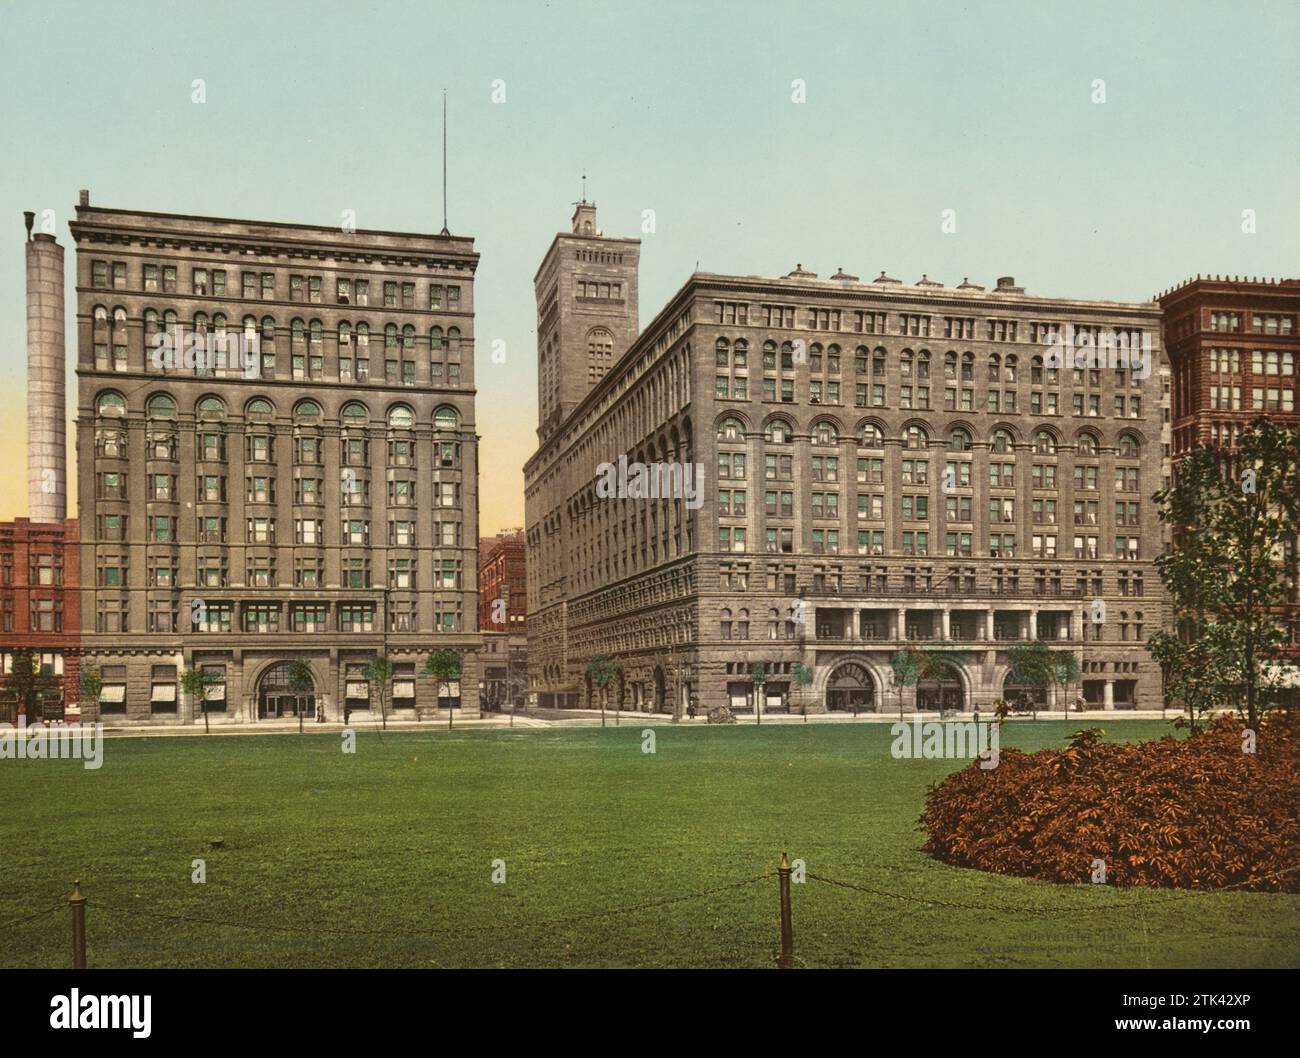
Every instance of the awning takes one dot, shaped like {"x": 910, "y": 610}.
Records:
{"x": 113, "y": 693}
{"x": 358, "y": 690}
{"x": 163, "y": 692}
{"x": 403, "y": 688}
{"x": 215, "y": 694}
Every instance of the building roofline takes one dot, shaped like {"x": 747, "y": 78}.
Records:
{"x": 578, "y": 235}
{"x": 90, "y": 217}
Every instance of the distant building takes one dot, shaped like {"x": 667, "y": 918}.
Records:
{"x": 40, "y": 612}
{"x": 503, "y": 583}
{"x": 879, "y": 465}
{"x": 1233, "y": 348}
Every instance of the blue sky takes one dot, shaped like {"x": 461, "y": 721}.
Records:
{"x": 912, "y": 109}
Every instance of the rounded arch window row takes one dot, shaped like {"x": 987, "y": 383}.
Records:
{"x": 779, "y": 430}
{"x": 112, "y": 404}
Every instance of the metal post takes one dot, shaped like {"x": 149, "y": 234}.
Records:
{"x": 78, "y": 904}
{"x": 786, "y": 961}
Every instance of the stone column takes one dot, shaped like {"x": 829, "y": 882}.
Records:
{"x": 902, "y": 623}
{"x": 988, "y": 617}
{"x": 1108, "y": 701}
{"x": 1033, "y": 624}
{"x": 947, "y": 623}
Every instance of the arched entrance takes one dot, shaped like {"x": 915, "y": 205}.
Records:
{"x": 276, "y": 696}
{"x": 851, "y": 688}
{"x": 941, "y": 692}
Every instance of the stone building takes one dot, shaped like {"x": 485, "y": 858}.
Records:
{"x": 881, "y": 464}
{"x": 295, "y": 477}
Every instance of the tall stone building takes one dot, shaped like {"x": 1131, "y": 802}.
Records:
{"x": 883, "y": 464}
{"x": 295, "y": 478}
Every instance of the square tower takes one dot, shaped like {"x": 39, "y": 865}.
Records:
{"x": 586, "y": 313}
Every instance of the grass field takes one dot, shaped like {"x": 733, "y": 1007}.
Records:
{"x": 384, "y": 858}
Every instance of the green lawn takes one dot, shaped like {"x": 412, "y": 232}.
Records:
{"x": 385, "y": 858}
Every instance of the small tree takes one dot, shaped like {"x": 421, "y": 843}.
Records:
{"x": 758, "y": 673}
{"x": 195, "y": 682}
{"x": 301, "y": 681}
{"x": 1233, "y": 561}
{"x": 1030, "y": 667}
{"x": 906, "y": 666}
{"x": 803, "y": 678}
{"x": 92, "y": 685}
{"x": 28, "y": 681}
{"x": 380, "y": 670}
{"x": 601, "y": 669}
{"x": 444, "y": 667}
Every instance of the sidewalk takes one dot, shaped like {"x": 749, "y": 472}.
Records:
{"x": 565, "y": 718}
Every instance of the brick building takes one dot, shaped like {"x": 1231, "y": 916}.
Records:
{"x": 882, "y": 464}
{"x": 1233, "y": 347}
{"x": 40, "y": 609}
{"x": 503, "y": 583}
{"x": 316, "y": 500}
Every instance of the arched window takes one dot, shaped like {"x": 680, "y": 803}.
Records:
{"x": 268, "y": 330}
{"x": 916, "y": 437}
{"x": 722, "y": 352}
{"x": 435, "y": 339}
{"x": 161, "y": 406}
{"x": 1009, "y": 367}
{"x": 959, "y": 440}
{"x": 905, "y": 360}
{"x": 211, "y": 408}
{"x": 600, "y": 353}
{"x": 314, "y": 331}
{"x": 306, "y": 409}
{"x": 1128, "y": 446}
{"x": 923, "y": 364}
{"x": 995, "y": 367}
{"x": 200, "y": 323}
{"x": 731, "y": 429}
{"x": 390, "y": 336}
{"x": 968, "y": 367}
{"x": 345, "y": 334}
{"x": 400, "y": 417}
{"x": 110, "y": 403}
{"x": 363, "y": 337}
{"x": 824, "y": 434}
{"x": 259, "y": 409}
{"x": 1003, "y": 441}
{"x": 870, "y": 436}
{"x": 355, "y": 414}
{"x": 408, "y": 337}
{"x": 779, "y": 432}
{"x": 445, "y": 418}
{"x": 1044, "y": 443}
{"x": 1088, "y": 444}
{"x": 453, "y": 339}
{"x": 950, "y": 365}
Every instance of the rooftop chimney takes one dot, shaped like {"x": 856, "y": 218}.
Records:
{"x": 85, "y": 197}
{"x": 1007, "y": 285}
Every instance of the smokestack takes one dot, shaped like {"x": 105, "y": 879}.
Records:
{"x": 47, "y": 485}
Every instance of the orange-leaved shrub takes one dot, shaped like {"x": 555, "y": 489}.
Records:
{"x": 1195, "y": 813}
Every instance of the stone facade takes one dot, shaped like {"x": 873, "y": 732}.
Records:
{"x": 883, "y": 465}
{"x": 316, "y": 500}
